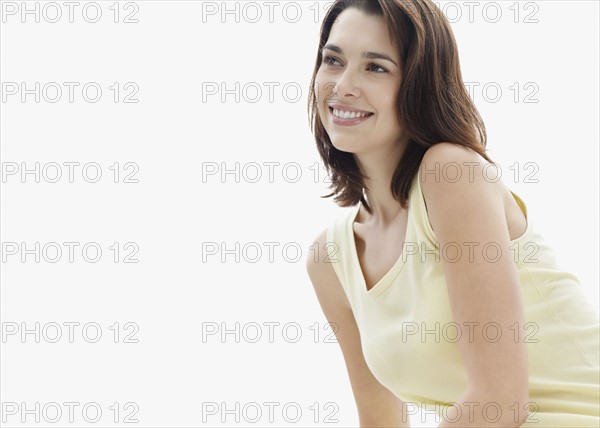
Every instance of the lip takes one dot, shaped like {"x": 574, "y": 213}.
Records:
{"x": 348, "y": 122}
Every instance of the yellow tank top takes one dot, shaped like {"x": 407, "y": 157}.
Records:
{"x": 409, "y": 338}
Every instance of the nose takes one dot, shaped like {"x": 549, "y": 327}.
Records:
{"x": 347, "y": 84}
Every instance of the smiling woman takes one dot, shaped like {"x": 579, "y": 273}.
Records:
{"x": 445, "y": 295}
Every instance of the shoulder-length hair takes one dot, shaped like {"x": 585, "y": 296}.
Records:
{"x": 433, "y": 104}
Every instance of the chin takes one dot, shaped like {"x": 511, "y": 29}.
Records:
{"x": 344, "y": 146}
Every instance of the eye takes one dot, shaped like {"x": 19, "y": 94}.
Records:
{"x": 329, "y": 59}
{"x": 380, "y": 67}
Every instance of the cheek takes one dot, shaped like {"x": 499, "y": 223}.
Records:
{"x": 323, "y": 93}
{"x": 388, "y": 101}
{"x": 319, "y": 88}
{"x": 391, "y": 109}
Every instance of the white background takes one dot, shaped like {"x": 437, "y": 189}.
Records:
{"x": 171, "y": 135}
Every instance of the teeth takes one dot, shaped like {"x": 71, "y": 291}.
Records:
{"x": 348, "y": 115}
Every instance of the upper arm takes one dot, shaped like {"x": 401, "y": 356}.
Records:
{"x": 377, "y": 406}
{"x": 467, "y": 215}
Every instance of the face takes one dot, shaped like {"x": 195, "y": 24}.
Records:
{"x": 350, "y": 81}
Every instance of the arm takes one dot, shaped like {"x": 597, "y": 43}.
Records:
{"x": 377, "y": 406}
{"x": 483, "y": 287}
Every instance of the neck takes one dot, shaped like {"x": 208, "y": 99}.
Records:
{"x": 378, "y": 169}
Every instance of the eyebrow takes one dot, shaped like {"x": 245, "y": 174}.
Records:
{"x": 369, "y": 55}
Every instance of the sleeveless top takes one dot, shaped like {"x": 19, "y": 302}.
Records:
{"x": 409, "y": 337}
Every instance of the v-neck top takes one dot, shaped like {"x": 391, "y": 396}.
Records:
{"x": 409, "y": 337}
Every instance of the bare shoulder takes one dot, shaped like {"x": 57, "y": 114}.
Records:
{"x": 452, "y": 170}
{"x": 315, "y": 260}
{"x": 450, "y": 155}
{"x": 319, "y": 266}
{"x": 446, "y": 149}
{"x": 457, "y": 179}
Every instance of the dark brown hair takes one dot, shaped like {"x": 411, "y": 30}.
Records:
{"x": 433, "y": 104}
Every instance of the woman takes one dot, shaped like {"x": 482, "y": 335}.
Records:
{"x": 444, "y": 296}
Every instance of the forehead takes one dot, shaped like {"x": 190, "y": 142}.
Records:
{"x": 355, "y": 31}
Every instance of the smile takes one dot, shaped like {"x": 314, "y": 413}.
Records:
{"x": 346, "y": 118}
{"x": 349, "y": 115}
